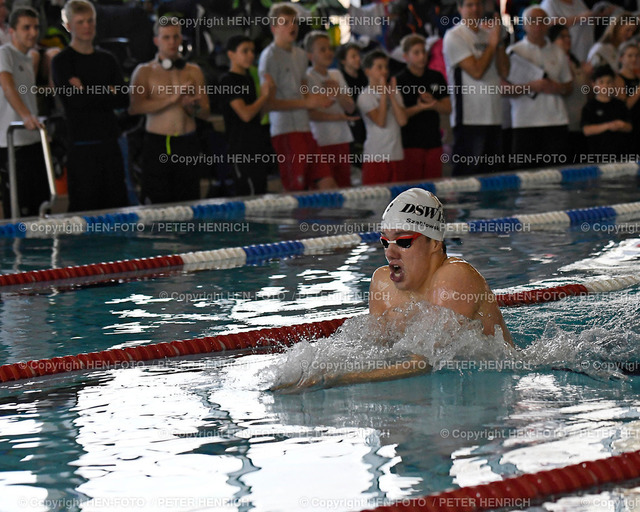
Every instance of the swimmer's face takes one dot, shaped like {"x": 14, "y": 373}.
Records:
{"x": 285, "y": 29}
{"x": 407, "y": 266}
{"x": 168, "y": 41}
{"x": 82, "y": 26}
{"x": 25, "y": 35}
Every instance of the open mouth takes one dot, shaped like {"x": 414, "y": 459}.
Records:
{"x": 397, "y": 272}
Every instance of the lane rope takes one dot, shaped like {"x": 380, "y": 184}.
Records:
{"x": 271, "y": 337}
{"x": 530, "y": 486}
{"x": 255, "y": 254}
{"x": 140, "y": 217}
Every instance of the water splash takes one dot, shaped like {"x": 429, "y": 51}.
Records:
{"x": 603, "y": 343}
{"x": 364, "y": 344}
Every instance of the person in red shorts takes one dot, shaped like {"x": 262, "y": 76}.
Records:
{"x": 330, "y": 126}
{"x": 424, "y": 93}
{"x": 302, "y": 164}
{"x": 383, "y": 112}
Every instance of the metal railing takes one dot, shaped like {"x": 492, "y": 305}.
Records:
{"x": 13, "y": 181}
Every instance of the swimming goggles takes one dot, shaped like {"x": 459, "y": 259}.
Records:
{"x": 404, "y": 242}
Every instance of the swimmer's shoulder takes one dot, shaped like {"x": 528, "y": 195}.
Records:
{"x": 455, "y": 266}
{"x": 380, "y": 276}
{"x": 456, "y": 273}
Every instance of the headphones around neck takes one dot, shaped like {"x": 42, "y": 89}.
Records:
{"x": 169, "y": 64}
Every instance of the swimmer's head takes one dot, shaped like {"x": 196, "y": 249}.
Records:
{"x": 415, "y": 210}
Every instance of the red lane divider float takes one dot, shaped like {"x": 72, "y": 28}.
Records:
{"x": 274, "y": 337}
{"x": 94, "y": 269}
{"x": 527, "y": 487}
{"x": 543, "y": 295}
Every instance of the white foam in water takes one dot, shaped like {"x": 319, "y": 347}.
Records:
{"x": 448, "y": 341}
{"x": 363, "y": 344}
{"x": 607, "y": 335}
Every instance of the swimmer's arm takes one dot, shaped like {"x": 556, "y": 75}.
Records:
{"x": 414, "y": 365}
{"x": 379, "y": 295}
{"x": 141, "y": 100}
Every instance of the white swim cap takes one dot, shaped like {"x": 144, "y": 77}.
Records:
{"x": 415, "y": 210}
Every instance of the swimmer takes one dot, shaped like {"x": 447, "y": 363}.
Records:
{"x": 419, "y": 270}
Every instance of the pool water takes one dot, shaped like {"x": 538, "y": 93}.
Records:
{"x": 204, "y": 433}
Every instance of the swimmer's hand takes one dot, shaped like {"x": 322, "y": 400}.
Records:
{"x": 414, "y": 365}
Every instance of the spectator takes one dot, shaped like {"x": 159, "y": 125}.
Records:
{"x": 349, "y": 63}
{"x": 606, "y": 121}
{"x": 94, "y": 88}
{"x": 627, "y": 84}
{"x": 301, "y": 166}
{"x": 18, "y": 103}
{"x": 171, "y": 93}
{"x": 330, "y": 125}
{"x": 476, "y": 60}
{"x": 5, "y": 36}
{"x": 540, "y": 121}
{"x": 424, "y": 93}
{"x": 605, "y": 51}
{"x": 383, "y": 113}
{"x": 242, "y": 114}
{"x": 580, "y": 72}
{"x": 580, "y": 20}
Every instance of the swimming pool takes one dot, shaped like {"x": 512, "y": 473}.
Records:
{"x": 202, "y": 433}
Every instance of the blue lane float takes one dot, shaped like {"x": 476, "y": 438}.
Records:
{"x": 335, "y": 199}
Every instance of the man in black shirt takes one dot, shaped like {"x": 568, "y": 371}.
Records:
{"x": 424, "y": 92}
{"x": 90, "y": 85}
